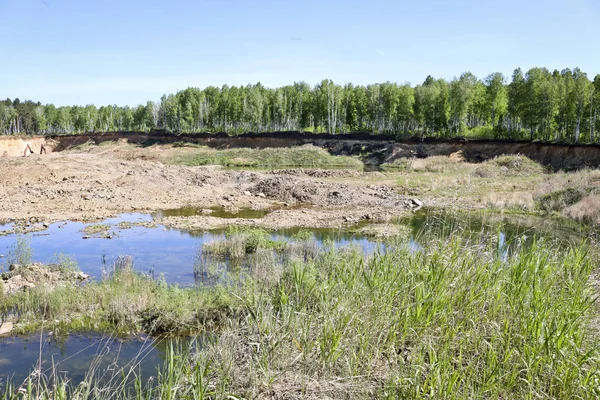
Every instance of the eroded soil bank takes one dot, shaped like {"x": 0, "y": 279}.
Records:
{"x": 373, "y": 149}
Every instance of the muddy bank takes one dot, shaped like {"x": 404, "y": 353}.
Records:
{"x": 330, "y": 218}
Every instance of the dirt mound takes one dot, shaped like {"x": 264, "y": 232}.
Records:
{"x": 28, "y": 276}
{"x": 320, "y": 173}
{"x": 326, "y": 193}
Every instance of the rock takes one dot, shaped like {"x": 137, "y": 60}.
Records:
{"x": 247, "y": 193}
{"x": 45, "y": 224}
{"x": 81, "y": 276}
{"x": 261, "y": 194}
{"x": 14, "y": 266}
{"x": 130, "y": 172}
{"x": 86, "y": 237}
{"x": 6, "y": 328}
{"x": 417, "y": 202}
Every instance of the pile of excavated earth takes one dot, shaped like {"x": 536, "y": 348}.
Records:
{"x": 39, "y": 189}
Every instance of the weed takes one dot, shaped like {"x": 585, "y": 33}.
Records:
{"x": 20, "y": 252}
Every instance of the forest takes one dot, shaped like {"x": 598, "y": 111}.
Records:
{"x": 559, "y": 106}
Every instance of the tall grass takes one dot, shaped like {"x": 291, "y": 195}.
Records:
{"x": 453, "y": 320}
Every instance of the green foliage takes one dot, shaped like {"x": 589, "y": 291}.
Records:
{"x": 537, "y": 104}
{"x": 66, "y": 263}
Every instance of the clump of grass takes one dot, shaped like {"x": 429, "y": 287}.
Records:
{"x": 302, "y": 156}
{"x": 240, "y": 241}
{"x": 508, "y": 165}
{"x": 559, "y": 199}
{"x": 124, "y": 301}
{"x": 383, "y": 232}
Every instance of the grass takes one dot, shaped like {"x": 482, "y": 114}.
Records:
{"x": 508, "y": 165}
{"x": 455, "y": 320}
{"x": 268, "y": 158}
{"x": 124, "y": 302}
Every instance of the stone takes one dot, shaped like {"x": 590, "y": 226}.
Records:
{"x": 261, "y": 194}
{"x": 82, "y": 276}
{"x": 6, "y": 328}
{"x": 14, "y": 266}
{"x": 417, "y": 202}
{"x": 247, "y": 193}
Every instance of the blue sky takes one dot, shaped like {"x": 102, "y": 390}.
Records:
{"x": 129, "y": 51}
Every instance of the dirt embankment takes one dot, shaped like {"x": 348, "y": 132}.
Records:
{"x": 15, "y": 146}
{"x": 372, "y": 149}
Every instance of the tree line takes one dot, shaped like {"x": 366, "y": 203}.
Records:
{"x": 536, "y": 105}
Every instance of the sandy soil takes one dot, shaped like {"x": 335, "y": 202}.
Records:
{"x": 101, "y": 181}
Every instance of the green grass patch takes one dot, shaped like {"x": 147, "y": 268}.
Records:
{"x": 302, "y": 156}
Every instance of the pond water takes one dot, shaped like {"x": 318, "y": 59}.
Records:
{"x": 75, "y": 356}
{"x": 157, "y": 251}
{"x": 172, "y": 252}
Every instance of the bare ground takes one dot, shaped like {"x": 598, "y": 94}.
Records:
{"x": 96, "y": 182}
